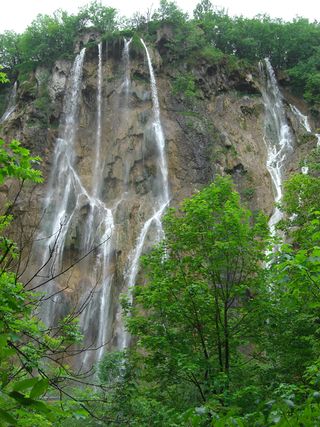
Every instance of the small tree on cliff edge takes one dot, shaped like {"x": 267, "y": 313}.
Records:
{"x": 195, "y": 312}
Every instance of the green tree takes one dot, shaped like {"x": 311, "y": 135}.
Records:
{"x": 196, "y": 308}
{"x": 3, "y": 76}
{"x": 28, "y": 367}
{"x": 301, "y": 206}
{"x": 168, "y": 12}
{"x": 16, "y": 320}
{"x": 46, "y": 39}
{"x": 203, "y": 8}
{"x": 9, "y": 51}
{"x": 289, "y": 326}
{"x": 103, "y": 18}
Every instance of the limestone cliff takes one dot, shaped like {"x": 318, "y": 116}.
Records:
{"x": 219, "y": 131}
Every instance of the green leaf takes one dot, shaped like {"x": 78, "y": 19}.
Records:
{"x": 25, "y": 384}
{"x": 26, "y": 401}
{"x": 7, "y": 417}
{"x": 39, "y": 388}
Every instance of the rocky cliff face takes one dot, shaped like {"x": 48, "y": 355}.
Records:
{"x": 221, "y": 131}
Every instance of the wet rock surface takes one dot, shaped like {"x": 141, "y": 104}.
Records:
{"x": 219, "y": 132}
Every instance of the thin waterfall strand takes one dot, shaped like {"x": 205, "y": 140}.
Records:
{"x": 303, "y": 120}
{"x": 159, "y": 135}
{"x": 100, "y": 220}
{"x": 163, "y": 197}
{"x": 97, "y": 162}
{"x": 126, "y": 63}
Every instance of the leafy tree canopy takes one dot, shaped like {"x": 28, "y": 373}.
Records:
{"x": 199, "y": 292}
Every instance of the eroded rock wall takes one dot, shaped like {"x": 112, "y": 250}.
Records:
{"x": 220, "y": 131}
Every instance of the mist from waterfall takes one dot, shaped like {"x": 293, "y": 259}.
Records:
{"x": 278, "y": 137}
{"x": 11, "y": 104}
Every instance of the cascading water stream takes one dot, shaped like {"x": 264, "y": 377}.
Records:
{"x": 303, "y": 120}
{"x": 64, "y": 190}
{"x": 125, "y": 91}
{"x": 278, "y": 137}
{"x": 96, "y": 182}
{"x": 162, "y": 200}
{"x": 11, "y": 104}
{"x": 96, "y": 205}
{"x": 100, "y": 219}
{"x": 159, "y": 135}
{"x": 126, "y": 63}
{"x": 75, "y": 214}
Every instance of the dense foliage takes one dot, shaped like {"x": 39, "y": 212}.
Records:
{"x": 210, "y": 35}
{"x": 32, "y": 372}
{"x": 219, "y": 339}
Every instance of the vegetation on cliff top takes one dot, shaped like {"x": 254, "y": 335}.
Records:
{"x": 210, "y": 35}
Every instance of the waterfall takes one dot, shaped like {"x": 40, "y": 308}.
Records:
{"x": 302, "y": 119}
{"x": 11, "y": 104}
{"x": 159, "y": 135}
{"x": 63, "y": 195}
{"x": 126, "y": 64}
{"x": 304, "y": 122}
{"x": 79, "y": 225}
{"x": 162, "y": 200}
{"x": 96, "y": 182}
{"x": 77, "y": 219}
{"x": 99, "y": 225}
{"x": 278, "y": 137}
